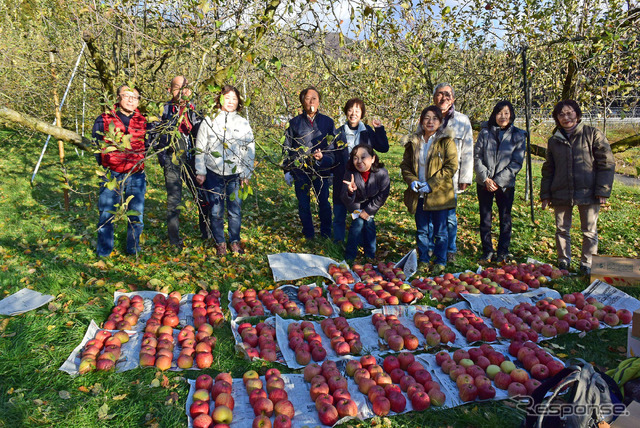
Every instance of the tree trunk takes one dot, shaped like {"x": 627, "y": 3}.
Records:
{"x": 17, "y": 118}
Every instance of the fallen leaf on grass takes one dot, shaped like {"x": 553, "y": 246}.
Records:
{"x": 83, "y": 389}
{"x": 96, "y": 389}
{"x": 119, "y": 397}
{"x": 65, "y": 395}
{"x": 38, "y": 402}
{"x": 50, "y": 327}
{"x": 165, "y": 381}
{"x": 172, "y": 398}
{"x": 155, "y": 383}
{"x": 100, "y": 264}
{"x": 619, "y": 349}
{"x": 560, "y": 355}
{"x": 103, "y": 412}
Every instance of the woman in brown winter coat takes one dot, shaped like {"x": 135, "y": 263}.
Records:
{"x": 430, "y": 160}
{"x": 578, "y": 170}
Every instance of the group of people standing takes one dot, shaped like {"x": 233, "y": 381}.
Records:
{"x": 215, "y": 156}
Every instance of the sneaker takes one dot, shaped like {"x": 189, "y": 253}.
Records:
{"x": 585, "y": 270}
{"x": 437, "y": 269}
{"x": 563, "y": 264}
{"x": 236, "y": 248}
{"x": 451, "y": 257}
{"x": 221, "y": 249}
{"x": 504, "y": 258}
{"x": 486, "y": 258}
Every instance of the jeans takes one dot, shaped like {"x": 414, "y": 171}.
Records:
{"x": 504, "y": 200}
{"x": 339, "y": 221}
{"x": 174, "y": 176}
{"x": 439, "y": 221}
{"x": 452, "y": 229}
{"x": 588, "y": 226}
{"x": 129, "y": 185}
{"x": 221, "y": 188}
{"x": 361, "y": 231}
{"x": 320, "y": 186}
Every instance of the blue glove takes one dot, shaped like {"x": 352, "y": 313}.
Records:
{"x": 415, "y": 186}
{"x": 288, "y": 178}
{"x": 425, "y": 188}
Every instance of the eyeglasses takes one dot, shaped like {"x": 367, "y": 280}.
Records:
{"x": 567, "y": 114}
{"x": 444, "y": 94}
{"x": 130, "y": 97}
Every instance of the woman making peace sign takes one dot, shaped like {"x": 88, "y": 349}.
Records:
{"x": 365, "y": 191}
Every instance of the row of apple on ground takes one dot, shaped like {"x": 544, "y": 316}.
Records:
{"x": 367, "y": 386}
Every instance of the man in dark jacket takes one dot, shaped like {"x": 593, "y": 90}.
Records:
{"x": 120, "y": 137}
{"x": 308, "y": 158}
{"x": 176, "y": 154}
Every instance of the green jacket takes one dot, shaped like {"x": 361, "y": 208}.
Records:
{"x": 442, "y": 164}
{"x": 579, "y": 170}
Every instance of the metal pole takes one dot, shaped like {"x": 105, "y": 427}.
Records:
{"x": 64, "y": 97}
{"x": 527, "y": 113}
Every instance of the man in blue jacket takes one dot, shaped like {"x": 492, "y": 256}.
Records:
{"x": 308, "y": 158}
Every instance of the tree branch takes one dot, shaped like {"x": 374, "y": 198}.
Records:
{"x": 14, "y": 117}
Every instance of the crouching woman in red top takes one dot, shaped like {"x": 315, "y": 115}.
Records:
{"x": 365, "y": 191}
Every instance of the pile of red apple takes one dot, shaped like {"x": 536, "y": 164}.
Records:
{"x": 509, "y": 324}
{"x": 278, "y": 303}
{"x": 187, "y": 342}
{"x": 165, "y": 312}
{"x": 344, "y": 298}
{"x": 606, "y": 313}
{"x": 433, "y": 328}
{"x": 246, "y": 303}
{"x": 220, "y": 393}
{"x": 329, "y": 391}
{"x": 102, "y": 351}
{"x": 550, "y": 317}
{"x": 390, "y": 272}
{"x": 531, "y": 274}
{"x": 387, "y": 293}
{"x": 124, "y": 316}
{"x": 260, "y": 341}
{"x": 383, "y": 385}
{"x": 345, "y": 339}
{"x": 273, "y": 401}
{"x": 470, "y": 325}
{"x": 206, "y": 308}
{"x": 157, "y": 340}
{"x": 447, "y": 288}
{"x": 367, "y": 273}
{"x": 314, "y": 302}
{"x": 340, "y": 274}
{"x": 411, "y": 377}
{"x": 535, "y": 360}
{"x": 397, "y": 336}
{"x": 473, "y": 370}
{"x": 305, "y": 342}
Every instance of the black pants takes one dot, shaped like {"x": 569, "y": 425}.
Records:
{"x": 174, "y": 176}
{"x": 504, "y": 200}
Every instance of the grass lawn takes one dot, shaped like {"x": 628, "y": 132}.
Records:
{"x": 46, "y": 248}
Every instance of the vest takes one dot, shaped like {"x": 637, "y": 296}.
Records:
{"x": 125, "y": 159}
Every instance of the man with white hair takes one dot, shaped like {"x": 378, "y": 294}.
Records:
{"x": 444, "y": 98}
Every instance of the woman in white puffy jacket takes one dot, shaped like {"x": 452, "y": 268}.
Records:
{"x": 224, "y": 163}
